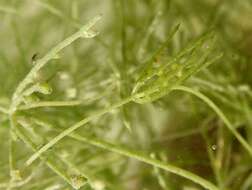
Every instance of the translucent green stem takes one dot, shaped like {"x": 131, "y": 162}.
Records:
{"x": 50, "y": 104}
{"x": 222, "y": 116}
{"x": 84, "y": 32}
{"x": 141, "y": 157}
{"x": 75, "y": 127}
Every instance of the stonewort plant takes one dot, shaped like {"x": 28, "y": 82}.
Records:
{"x": 116, "y": 94}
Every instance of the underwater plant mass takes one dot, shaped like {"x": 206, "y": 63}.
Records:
{"x": 126, "y": 95}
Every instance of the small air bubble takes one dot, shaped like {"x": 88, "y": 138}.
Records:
{"x": 214, "y": 147}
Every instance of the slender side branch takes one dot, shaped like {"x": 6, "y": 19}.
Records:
{"x": 143, "y": 158}
{"x": 84, "y": 32}
{"x": 222, "y": 116}
{"x": 50, "y": 104}
{"x": 49, "y": 162}
{"x": 75, "y": 127}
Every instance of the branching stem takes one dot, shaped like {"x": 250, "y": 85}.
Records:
{"x": 222, "y": 116}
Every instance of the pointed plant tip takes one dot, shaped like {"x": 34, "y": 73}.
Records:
{"x": 96, "y": 19}
{"x": 92, "y": 22}
{"x": 87, "y": 30}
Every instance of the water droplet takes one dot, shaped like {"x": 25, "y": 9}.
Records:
{"x": 214, "y": 147}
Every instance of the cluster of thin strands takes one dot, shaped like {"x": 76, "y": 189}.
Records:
{"x": 149, "y": 81}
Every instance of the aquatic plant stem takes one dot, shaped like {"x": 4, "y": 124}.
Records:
{"x": 50, "y": 104}
{"x": 222, "y": 116}
{"x": 84, "y": 32}
{"x": 75, "y": 127}
{"x": 146, "y": 159}
{"x": 49, "y": 162}
{"x": 140, "y": 157}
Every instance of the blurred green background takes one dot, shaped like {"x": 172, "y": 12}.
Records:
{"x": 178, "y": 128}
